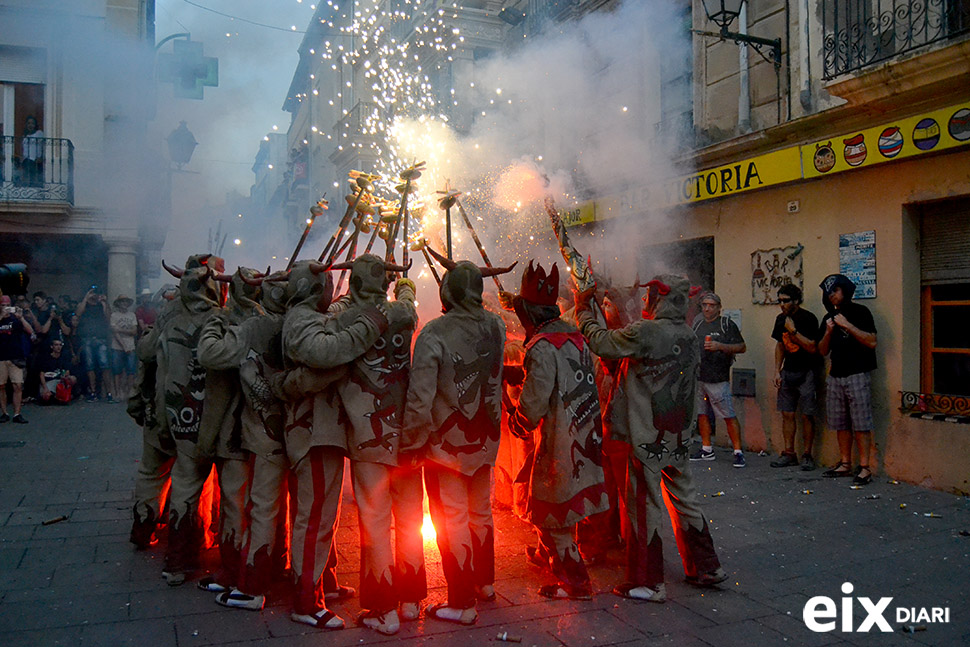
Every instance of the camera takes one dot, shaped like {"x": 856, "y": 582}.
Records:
{"x": 9, "y": 309}
{"x": 94, "y": 289}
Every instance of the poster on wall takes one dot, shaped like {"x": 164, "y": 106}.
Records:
{"x": 773, "y": 268}
{"x": 857, "y": 260}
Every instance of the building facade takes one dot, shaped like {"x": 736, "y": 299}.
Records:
{"x": 83, "y": 199}
{"x": 811, "y": 136}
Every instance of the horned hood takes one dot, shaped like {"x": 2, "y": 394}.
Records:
{"x": 243, "y": 297}
{"x": 461, "y": 288}
{"x": 368, "y": 279}
{"x": 307, "y": 287}
{"x": 198, "y": 289}
{"x": 273, "y": 294}
{"x": 673, "y": 305}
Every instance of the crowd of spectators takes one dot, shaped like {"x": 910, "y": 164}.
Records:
{"x": 53, "y": 351}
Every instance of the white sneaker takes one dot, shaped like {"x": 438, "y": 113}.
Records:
{"x": 643, "y": 593}
{"x": 386, "y": 623}
{"x": 410, "y": 611}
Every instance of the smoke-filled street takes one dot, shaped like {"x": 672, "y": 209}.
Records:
{"x": 76, "y": 580}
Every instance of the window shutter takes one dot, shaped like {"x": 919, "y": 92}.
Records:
{"x": 23, "y": 65}
{"x": 945, "y": 244}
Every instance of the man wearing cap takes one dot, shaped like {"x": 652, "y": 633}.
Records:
{"x": 796, "y": 361}
{"x": 124, "y": 328}
{"x": 720, "y": 340}
{"x": 848, "y": 335}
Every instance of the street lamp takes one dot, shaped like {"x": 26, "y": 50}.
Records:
{"x": 722, "y": 13}
{"x": 181, "y": 145}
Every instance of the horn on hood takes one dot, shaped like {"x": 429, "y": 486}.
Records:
{"x": 316, "y": 267}
{"x": 446, "y": 262}
{"x": 391, "y": 267}
{"x": 174, "y": 271}
{"x": 256, "y": 280}
{"x": 346, "y": 265}
{"x": 495, "y": 271}
{"x": 221, "y": 277}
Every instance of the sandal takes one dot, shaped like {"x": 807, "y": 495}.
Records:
{"x": 342, "y": 593}
{"x": 485, "y": 593}
{"x": 386, "y": 623}
{"x": 236, "y": 599}
{"x": 563, "y": 592}
{"x": 322, "y": 619}
{"x": 532, "y": 554}
{"x": 863, "y": 480}
{"x": 467, "y": 617}
{"x": 838, "y": 472}
{"x": 208, "y": 583}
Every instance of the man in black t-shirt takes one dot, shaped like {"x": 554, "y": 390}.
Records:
{"x": 848, "y": 336}
{"x": 796, "y": 361}
{"x": 719, "y": 340}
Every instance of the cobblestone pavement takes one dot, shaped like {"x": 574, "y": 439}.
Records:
{"x": 782, "y": 534}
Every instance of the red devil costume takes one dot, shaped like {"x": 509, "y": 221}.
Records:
{"x": 652, "y": 409}
{"x": 453, "y": 414}
{"x": 559, "y": 404}
{"x": 316, "y": 442}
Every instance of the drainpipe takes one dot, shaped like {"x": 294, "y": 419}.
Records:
{"x": 744, "y": 81}
{"x": 805, "y": 91}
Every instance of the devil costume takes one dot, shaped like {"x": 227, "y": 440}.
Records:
{"x": 372, "y": 409}
{"x": 453, "y": 414}
{"x": 652, "y": 409}
{"x": 316, "y": 443}
{"x": 158, "y": 450}
{"x": 559, "y": 404}
{"x": 219, "y": 354}
{"x": 194, "y": 407}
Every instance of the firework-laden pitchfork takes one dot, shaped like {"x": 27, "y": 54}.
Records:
{"x": 408, "y": 176}
{"x": 315, "y": 211}
{"x": 421, "y": 244}
{"x": 364, "y": 182}
{"x": 478, "y": 242}
{"x": 581, "y": 269}
{"x": 365, "y": 211}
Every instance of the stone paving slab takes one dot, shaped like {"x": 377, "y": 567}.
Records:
{"x": 79, "y": 582}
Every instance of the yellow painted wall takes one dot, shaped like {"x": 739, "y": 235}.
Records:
{"x": 877, "y": 198}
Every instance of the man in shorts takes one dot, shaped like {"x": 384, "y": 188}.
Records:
{"x": 796, "y": 361}
{"x": 93, "y": 331}
{"x": 720, "y": 340}
{"x": 13, "y": 356}
{"x": 848, "y": 336}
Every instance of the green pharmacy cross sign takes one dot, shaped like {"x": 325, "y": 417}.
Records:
{"x": 188, "y": 70}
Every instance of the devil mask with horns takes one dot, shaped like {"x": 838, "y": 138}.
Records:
{"x": 462, "y": 284}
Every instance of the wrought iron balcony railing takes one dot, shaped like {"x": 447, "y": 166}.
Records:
{"x": 36, "y": 169}
{"x": 935, "y": 406}
{"x": 858, "y": 33}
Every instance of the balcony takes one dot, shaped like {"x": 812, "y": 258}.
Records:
{"x": 859, "y": 33}
{"x": 36, "y": 169}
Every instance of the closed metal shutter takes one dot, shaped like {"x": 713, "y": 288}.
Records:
{"x": 23, "y": 65}
{"x": 945, "y": 243}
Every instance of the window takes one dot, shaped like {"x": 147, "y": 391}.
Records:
{"x": 945, "y": 298}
